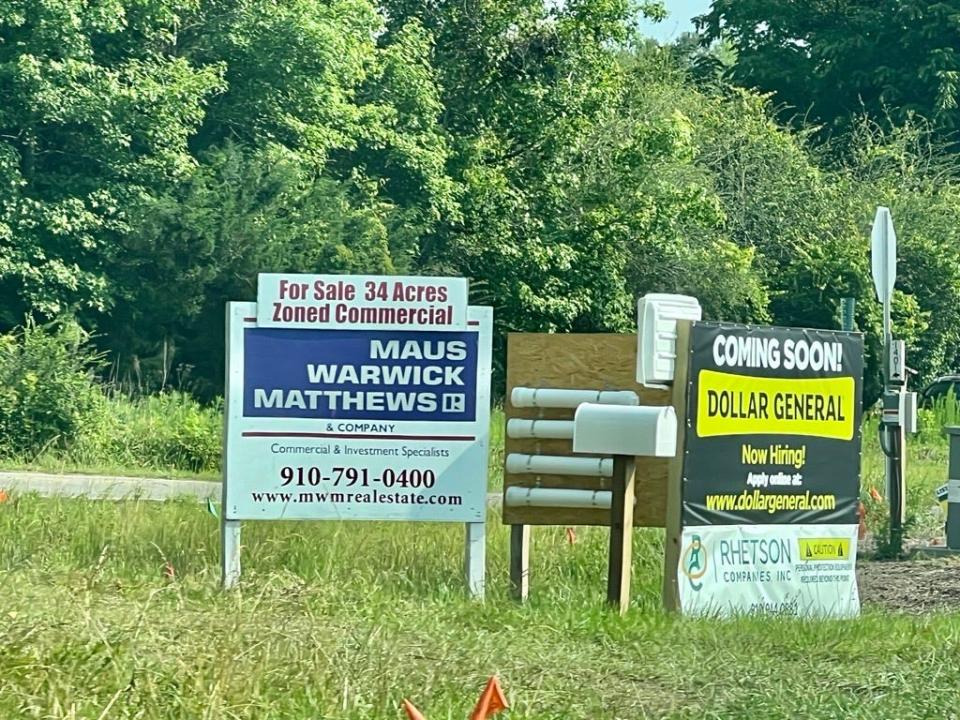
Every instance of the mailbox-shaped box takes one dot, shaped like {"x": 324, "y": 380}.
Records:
{"x": 657, "y": 315}
{"x": 625, "y": 430}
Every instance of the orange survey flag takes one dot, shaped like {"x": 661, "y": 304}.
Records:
{"x": 491, "y": 702}
{"x": 412, "y": 712}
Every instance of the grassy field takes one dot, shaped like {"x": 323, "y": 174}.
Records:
{"x": 344, "y": 620}
{"x": 111, "y": 610}
{"x": 158, "y": 439}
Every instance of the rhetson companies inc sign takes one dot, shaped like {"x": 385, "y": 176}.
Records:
{"x": 359, "y": 398}
{"x": 771, "y": 471}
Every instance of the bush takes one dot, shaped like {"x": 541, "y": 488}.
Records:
{"x": 170, "y": 431}
{"x": 47, "y": 394}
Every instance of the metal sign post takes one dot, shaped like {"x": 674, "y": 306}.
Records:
{"x": 899, "y": 406}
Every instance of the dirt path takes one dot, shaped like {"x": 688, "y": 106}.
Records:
{"x": 107, "y": 488}
{"x": 914, "y": 586}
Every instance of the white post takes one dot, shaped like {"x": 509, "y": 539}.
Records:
{"x": 475, "y": 558}
{"x": 230, "y": 560}
{"x": 229, "y": 529}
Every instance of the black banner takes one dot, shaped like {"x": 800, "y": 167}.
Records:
{"x": 773, "y": 432}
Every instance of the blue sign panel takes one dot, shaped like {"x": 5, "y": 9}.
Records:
{"x": 360, "y": 375}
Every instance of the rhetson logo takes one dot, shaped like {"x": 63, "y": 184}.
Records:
{"x": 693, "y": 564}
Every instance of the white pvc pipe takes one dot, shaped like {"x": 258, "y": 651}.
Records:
{"x": 521, "y": 464}
{"x": 558, "y": 498}
{"x": 546, "y": 429}
{"x": 555, "y": 398}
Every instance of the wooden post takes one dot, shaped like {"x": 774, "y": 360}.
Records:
{"x": 674, "y": 524}
{"x": 621, "y": 533}
{"x": 520, "y": 562}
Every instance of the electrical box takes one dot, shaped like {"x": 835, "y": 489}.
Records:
{"x": 890, "y": 414}
{"x": 900, "y": 408}
{"x": 624, "y": 430}
{"x": 657, "y": 315}
{"x": 908, "y": 411}
{"x": 897, "y": 362}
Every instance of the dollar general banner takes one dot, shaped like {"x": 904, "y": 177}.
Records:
{"x": 771, "y": 471}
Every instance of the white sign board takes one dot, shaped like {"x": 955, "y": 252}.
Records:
{"x": 883, "y": 254}
{"x": 361, "y": 302}
{"x": 357, "y": 424}
{"x": 798, "y": 570}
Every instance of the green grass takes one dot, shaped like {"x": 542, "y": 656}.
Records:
{"x": 344, "y": 620}
{"x": 168, "y": 435}
{"x": 341, "y": 620}
{"x": 152, "y": 438}
{"x": 59, "y": 465}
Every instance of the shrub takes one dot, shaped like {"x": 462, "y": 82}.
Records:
{"x": 170, "y": 431}
{"x": 47, "y": 394}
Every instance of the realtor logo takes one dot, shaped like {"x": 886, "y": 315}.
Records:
{"x": 454, "y": 402}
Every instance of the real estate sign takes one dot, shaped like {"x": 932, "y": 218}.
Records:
{"x": 771, "y": 471}
{"x": 353, "y": 424}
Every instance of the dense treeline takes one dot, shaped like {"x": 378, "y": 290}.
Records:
{"x": 156, "y": 154}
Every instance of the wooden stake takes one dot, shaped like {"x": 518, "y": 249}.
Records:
{"x": 621, "y": 533}
{"x": 520, "y": 562}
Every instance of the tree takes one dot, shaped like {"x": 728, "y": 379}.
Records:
{"x": 93, "y": 119}
{"x": 828, "y": 61}
{"x": 156, "y": 154}
{"x": 523, "y": 82}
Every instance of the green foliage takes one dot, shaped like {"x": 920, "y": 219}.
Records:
{"x": 170, "y": 431}
{"x": 47, "y": 397}
{"x": 155, "y": 155}
{"x": 239, "y": 214}
{"x": 830, "y": 61}
{"x": 97, "y": 113}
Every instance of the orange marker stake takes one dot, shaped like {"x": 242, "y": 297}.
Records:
{"x": 491, "y": 701}
{"x": 412, "y": 712}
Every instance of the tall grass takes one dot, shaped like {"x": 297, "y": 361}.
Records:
{"x": 167, "y": 434}
{"x": 343, "y": 620}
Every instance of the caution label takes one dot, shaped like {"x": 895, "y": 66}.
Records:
{"x": 813, "y": 549}
{"x": 730, "y": 404}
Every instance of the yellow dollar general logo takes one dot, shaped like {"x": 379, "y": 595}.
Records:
{"x": 824, "y": 549}
{"x": 729, "y": 404}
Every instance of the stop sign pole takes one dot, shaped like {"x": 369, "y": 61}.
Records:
{"x": 883, "y": 260}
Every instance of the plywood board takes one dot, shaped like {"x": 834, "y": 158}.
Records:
{"x": 592, "y": 361}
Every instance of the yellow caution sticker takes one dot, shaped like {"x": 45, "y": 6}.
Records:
{"x": 729, "y": 404}
{"x": 812, "y": 549}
